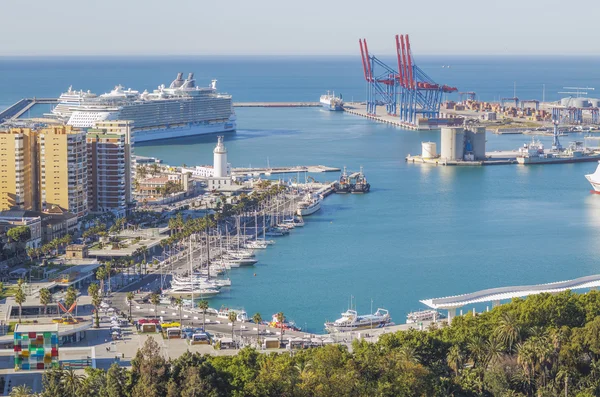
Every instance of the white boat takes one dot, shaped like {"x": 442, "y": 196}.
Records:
{"x": 296, "y": 221}
{"x": 352, "y": 321}
{"x": 182, "y": 109}
{"x": 309, "y": 205}
{"x": 256, "y": 245}
{"x": 240, "y": 261}
{"x": 241, "y": 315}
{"x": 187, "y": 292}
{"x": 277, "y": 232}
{"x": 424, "y": 315}
{"x": 242, "y": 253}
{"x": 594, "y": 179}
{"x": 330, "y": 102}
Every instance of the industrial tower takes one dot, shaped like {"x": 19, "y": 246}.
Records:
{"x": 408, "y": 93}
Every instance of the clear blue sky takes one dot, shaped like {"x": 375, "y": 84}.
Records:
{"x": 285, "y": 27}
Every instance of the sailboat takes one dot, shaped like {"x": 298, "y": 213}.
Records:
{"x": 268, "y": 171}
{"x": 194, "y": 286}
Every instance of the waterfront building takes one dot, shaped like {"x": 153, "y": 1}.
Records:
{"x": 55, "y": 223}
{"x": 221, "y": 179}
{"x": 204, "y": 171}
{"x": 63, "y": 169}
{"x": 34, "y": 223}
{"x": 36, "y": 346}
{"x": 18, "y": 169}
{"x": 110, "y": 167}
{"x": 165, "y": 188}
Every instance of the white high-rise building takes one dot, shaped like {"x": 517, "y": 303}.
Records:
{"x": 220, "y": 159}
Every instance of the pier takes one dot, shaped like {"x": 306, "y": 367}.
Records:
{"x": 276, "y": 104}
{"x": 19, "y": 108}
{"x": 283, "y": 170}
{"x": 495, "y": 295}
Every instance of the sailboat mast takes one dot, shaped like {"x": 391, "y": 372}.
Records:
{"x": 191, "y": 271}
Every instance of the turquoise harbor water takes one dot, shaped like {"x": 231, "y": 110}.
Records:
{"x": 422, "y": 232}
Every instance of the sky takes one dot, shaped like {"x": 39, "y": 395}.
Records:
{"x": 296, "y": 27}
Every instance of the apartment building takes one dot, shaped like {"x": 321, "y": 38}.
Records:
{"x": 18, "y": 169}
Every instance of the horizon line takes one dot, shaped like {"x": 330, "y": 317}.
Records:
{"x": 591, "y": 55}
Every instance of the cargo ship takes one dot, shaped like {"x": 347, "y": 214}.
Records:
{"x": 534, "y": 153}
{"x": 331, "y": 102}
{"x": 180, "y": 110}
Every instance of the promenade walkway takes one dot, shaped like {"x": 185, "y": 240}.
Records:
{"x": 495, "y": 295}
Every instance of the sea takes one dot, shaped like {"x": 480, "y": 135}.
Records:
{"x": 423, "y": 231}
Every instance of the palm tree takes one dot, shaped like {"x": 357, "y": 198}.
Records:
{"x": 20, "y": 299}
{"x": 203, "y": 305}
{"x": 179, "y": 304}
{"x": 100, "y": 276}
{"x": 508, "y": 331}
{"x": 232, "y": 316}
{"x": 93, "y": 292}
{"x": 20, "y": 391}
{"x": 155, "y": 300}
{"x": 130, "y": 297}
{"x": 257, "y": 320}
{"x": 455, "y": 359}
{"x": 45, "y": 299}
{"x": 71, "y": 382}
{"x": 280, "y": 320}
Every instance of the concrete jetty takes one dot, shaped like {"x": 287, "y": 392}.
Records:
{"x": 276, "y": 104}
{"x": 283, "y": 170}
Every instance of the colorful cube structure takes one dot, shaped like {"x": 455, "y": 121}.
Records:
{"x": 36, "y": 346}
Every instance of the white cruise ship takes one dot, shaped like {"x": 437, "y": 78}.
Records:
{"x": 180, "y": 110}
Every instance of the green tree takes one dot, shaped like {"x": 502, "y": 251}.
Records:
{"x": 179, "y": 304}
{"x": 203, "y": 305}
{"x": 155, "y": 300}
{"x": 19, "y": 300}
{"x": 94, "y": 293}
{"x": 149, "y": 371}
{"x": 130, "y": 297}
{"x": 232, "y": 316}
{"x": 508, "y": 331}
{"x": 20, "y": 391}
{"x": 45, "y": 299}
{"x": 257, "y": 318}
{"x": 70, "y": 296}
{"x": 71, "y": 382}
{"x": 52, "y": 383}
{"x": 116, "y": 381}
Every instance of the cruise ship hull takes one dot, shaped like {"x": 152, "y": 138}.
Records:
{"x": 149, "y": 135}
{"x": 309, "y": 210}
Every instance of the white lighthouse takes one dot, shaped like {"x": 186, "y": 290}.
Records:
{"x": 220, "y": 160}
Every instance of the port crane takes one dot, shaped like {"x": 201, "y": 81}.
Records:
{"x": 408, "y": 92}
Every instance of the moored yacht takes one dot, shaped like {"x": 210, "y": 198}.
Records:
{"x": 351, "y": 321}
{"x": 309, "y": 205}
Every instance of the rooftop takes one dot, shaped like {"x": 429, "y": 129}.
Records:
{"x": 36, "y": 328}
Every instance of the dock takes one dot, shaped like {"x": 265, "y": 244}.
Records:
{"x": 276, "y": 104}
{"x": 477, "y": 163}
{"x": 21, "y": 107}
{"x": 284, "y": 170}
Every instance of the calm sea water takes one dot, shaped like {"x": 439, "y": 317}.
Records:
{"x": 422, "y": 232}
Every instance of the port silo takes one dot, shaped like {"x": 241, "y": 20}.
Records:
{"x": 476, "y": 136}
{"x": 453, "y": 143}
{"x": 428, "y": 150}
